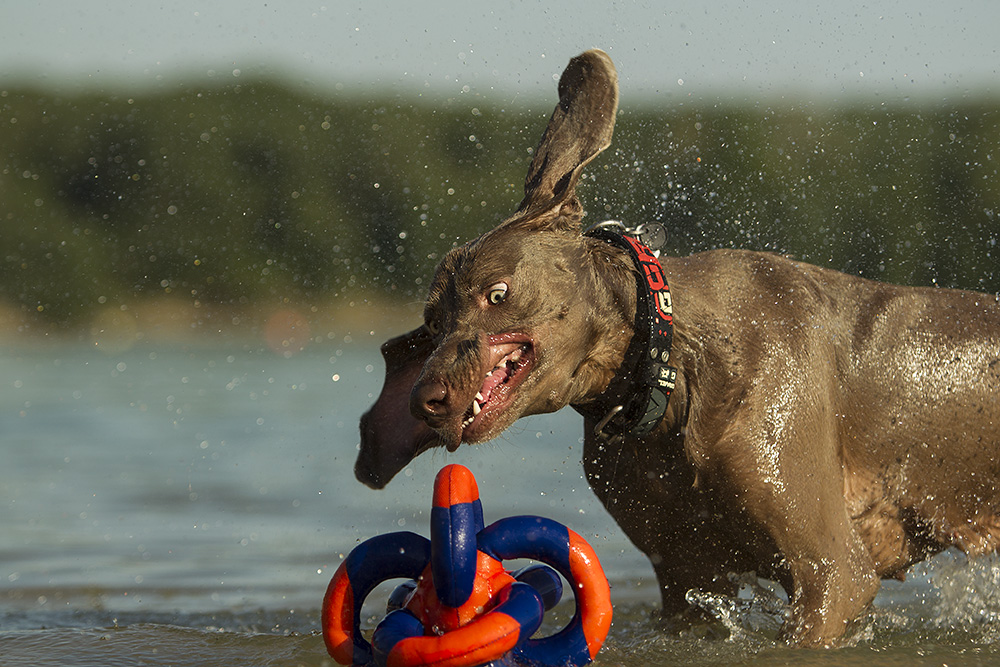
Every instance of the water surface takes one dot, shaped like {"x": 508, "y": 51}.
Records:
{"x": 188, "y": 505}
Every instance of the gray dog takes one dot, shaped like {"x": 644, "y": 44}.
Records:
{"x": 759, "y": 414}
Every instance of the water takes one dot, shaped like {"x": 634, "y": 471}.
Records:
{"x": 188, "y": 505}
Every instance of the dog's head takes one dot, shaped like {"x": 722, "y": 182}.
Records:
{"x": 521, "y": 320}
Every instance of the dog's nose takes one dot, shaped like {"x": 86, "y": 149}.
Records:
{"x": 429, "y": 400}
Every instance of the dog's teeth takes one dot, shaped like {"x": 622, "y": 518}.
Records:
{"x": 479, "y": 396}
{"x": 491, "y": 372}
{"x": 516, "y": 355}
{"x": 475, "y": 408}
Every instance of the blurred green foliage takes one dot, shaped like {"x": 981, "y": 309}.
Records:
{"x": 260, "y": 193}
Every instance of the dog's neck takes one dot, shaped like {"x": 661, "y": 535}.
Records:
{"x": 636, "y": 398}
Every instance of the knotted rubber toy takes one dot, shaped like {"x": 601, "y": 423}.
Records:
{"x": 464, "y": 609}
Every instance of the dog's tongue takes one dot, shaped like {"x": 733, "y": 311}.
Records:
{"x": 493, "y": 381}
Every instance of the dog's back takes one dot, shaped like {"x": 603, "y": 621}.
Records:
{"x": 910, "y": 376}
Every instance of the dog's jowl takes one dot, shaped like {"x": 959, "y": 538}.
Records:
{"x": 822, "y": 430}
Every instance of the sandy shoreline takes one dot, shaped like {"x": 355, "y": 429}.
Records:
{"x": 285, "y": 328}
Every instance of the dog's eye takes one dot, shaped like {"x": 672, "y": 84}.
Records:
{"x": 497, "y": 293}
{"x": 432, "y": 326}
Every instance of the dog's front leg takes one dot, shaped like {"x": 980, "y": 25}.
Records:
{"x": 781, "y": 464}
{"x": 649, "y": 487}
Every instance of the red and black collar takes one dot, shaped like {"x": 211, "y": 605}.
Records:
{"x": 636, "y": 398}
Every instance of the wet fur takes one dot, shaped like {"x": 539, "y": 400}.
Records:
{"x": 826, "y": 430}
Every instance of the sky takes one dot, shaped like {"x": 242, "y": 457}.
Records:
{"x": 663, "y": 49}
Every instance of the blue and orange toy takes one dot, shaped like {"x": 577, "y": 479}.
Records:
{"x": 462, "y": 608}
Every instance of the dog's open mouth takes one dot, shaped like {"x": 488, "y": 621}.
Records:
{"x": 511, "y": 356}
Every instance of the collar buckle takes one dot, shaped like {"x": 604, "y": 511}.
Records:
{"x": 653, "y": 235}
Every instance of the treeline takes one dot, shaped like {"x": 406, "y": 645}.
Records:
{"x": 259, "y": 193}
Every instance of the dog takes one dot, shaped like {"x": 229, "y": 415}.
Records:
{"x": 822, "y": 430}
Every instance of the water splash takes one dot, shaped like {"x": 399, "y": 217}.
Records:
{"x": 968, "y": 596}
{"x": 754, "y": 613}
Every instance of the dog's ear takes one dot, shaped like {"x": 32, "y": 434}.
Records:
{"x": 390, "y": 435}
{"x": 580, "y": 128}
